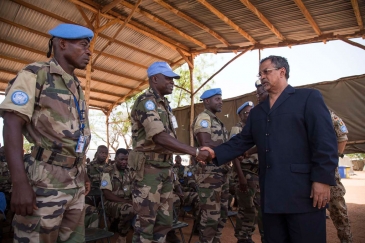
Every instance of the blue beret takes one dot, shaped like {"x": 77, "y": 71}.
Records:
{"x": 248, "y": 103}
{"x": 2, "y": 203}
{"x": 258, "y": 83}
{"x": 71, "y": 31}
{"x": 163, "y": 68}
{"x": 210, "y": 92}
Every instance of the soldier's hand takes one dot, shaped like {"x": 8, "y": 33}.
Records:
{"x": 87, "y": 184}
{"x": 321, "y": 194}
{"x": 23, "y": 199}
{"x": 211, "y": 151}
{"x": 203, "y": 156}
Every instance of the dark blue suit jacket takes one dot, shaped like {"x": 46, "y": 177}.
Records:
{"x": 296, "y": 145}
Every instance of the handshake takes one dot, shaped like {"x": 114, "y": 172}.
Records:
{"x": 204, "y": 155}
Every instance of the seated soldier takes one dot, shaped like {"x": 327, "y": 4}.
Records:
{"x": 116, "y": 186}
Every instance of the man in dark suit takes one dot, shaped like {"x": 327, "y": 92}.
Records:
{"x": 297, "y": 149}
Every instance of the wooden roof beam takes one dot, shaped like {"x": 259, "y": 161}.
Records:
{"x": 254, "y": 10}
{"x": 227, "y": 21}
{"x": 40, "y": 10}
{"x": 351, "y": 42}
{"x": 191, "y": 65}
{"x": 145, "y": 30}
{"x": 165, "y": 24}
{"x": 95, "y": 51}
{"x": 193, "y": 21}
{"x": 111, "y": 5}
{"x": 308, "y": 16}
{"x": 355, "y": 6}
{"x": 95, "y": 67}
{"x": 84, "y": 16}
{"x": 119, "y": 30}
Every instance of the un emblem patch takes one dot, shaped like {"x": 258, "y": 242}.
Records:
{"x": 204, "y": 123}
{"x": 19, "y": 98}
{"x": 104, "y": 183}
{"x": 149, "y": 105}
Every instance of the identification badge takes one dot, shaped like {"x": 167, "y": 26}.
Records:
{"x": 81, "y": 144}
{"x": 174, "y": 122}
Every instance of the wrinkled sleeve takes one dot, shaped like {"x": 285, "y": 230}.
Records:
{"x": 202, "y": 124}
{"x": 20, "y": 95}
{"x": 106, "y": 183}
{"x": 340, "y": 127}
{"x": 150, "y": 119}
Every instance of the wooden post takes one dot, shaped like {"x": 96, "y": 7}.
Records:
{"x": 88, "y": 70}
{"x": 191, "y": 70}
{"x": 107, "y": 129}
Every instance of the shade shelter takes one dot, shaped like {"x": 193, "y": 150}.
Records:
{"x": 132, "y": 34}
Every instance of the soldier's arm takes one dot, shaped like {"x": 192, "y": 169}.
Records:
{"x": 113, "y": 198}
{"x": 23, "y": 200}
{"x": 205, "y": 140}
{"x": 241, "y": 178}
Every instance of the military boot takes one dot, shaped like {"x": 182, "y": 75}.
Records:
{"x": 171, "y": 237}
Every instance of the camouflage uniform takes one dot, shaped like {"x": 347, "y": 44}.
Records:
{"x": 212, "y": 182}
{"x": 152, "y": 188}
{"x": 119, "y": 183}
{"x": 5, "y": 180}
{"x": 96, "y": 170}
{"x": 47, "y": 96}
{"x": 91, "y": 216}
{"x": 337, "y": 205}
{"x": 249, "y": 210}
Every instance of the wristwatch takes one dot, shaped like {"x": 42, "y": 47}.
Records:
{"x": 197, "y": 152}
{"x": 340, "y": 155}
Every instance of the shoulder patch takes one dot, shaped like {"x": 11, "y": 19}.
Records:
{"x": 19, "y": 98}
{"x": 343, "y": 128}
{"x": 149, "y": 105}
{"x": 204, "y": 123}
{"x": 190, "y": 173}
{"x": 104, "y": 183}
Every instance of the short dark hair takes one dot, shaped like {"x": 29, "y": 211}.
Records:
{"x": 101, "y": 146}
{"x": 121, "y": 151}
{"x": 278, "y": 62}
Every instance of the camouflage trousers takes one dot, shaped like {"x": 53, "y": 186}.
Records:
{"x": 338, "y": 210}
{"x": 91, "y": 216}
{"x": 152, "y": 203}
{"x": 190, "y": 199}
{"x": 59, "y": 217}
{"x": 213, "y": 197}
{"x": 123, "y": 212}
{"x": 249, "y": 210}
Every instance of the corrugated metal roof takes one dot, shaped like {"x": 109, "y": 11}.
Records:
{"x": 120, "y": 69}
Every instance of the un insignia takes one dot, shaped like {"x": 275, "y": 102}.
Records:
{"x": 204, "y": 123}
{"x": 19, "y": 98}
{"x": 343, "y": 129}
{"x": 190, "y": 173}
{"x": 149, "y": 105}
{"x": 104, "y": 183}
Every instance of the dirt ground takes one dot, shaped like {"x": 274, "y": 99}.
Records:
{"x": 355, "y": 199}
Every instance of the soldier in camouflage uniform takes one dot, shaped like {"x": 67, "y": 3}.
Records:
{"x": 5, "y": 180}
{"x": 96, "y": 167}
{"x": 45, "y": 101}
{"x": 337, "y": 205}
{"x": 154, "y": 141}
{"x": 248, "y": 191}
{"x": 212, "y": 180}
{"x": 116, "y": 186}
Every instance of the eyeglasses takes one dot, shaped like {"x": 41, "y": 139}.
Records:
{"x": 266, "y": 71}
{"x": 259, "y": 94}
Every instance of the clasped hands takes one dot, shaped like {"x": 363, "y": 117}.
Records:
{"x": 205, "y": 155}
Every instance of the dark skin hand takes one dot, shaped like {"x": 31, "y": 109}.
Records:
{"x": 87, "y": 184}
{"x": 241, "y": 178}
{"x": 251, "y": 151}
{"x": 113, "y": 198}
{"x": 23, "y": 198}
{"x": 172, "y": 144}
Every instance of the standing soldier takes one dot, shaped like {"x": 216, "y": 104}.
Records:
{"x": 337, "y": 205}
{"x": 154, "y": 141}
{"x": 116, "y": 186}
{"x": 46, "y": 102}
{"x": 261, "y": 93}
{"x": 248, "y": 192}
{"x": 212, "y": 180}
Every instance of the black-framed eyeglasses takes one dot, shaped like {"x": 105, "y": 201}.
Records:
{"x": 266, "y": 71}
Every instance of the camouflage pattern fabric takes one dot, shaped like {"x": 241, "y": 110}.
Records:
{"x": 91, "y": 216}
{"x": 59, "y": 217}
{"x": 96, "y": 170}
{"x": 153, "y": 205}
{"x": 119, "y": 183}
{"x": 5, "y": 180}
{"x": 337, "y": 205}
{"x": 249, "y": 210}
{"x": 212, "y": 181}
{"x": 47, "y": 93}
{"x": 152, "y": 196}
{"x": 179, "y": 170}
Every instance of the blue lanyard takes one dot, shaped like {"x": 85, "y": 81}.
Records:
{"x": 81, "y": 117}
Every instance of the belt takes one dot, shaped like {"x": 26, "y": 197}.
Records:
{"x": 54, "y": 158}
{"x": 152, "y": 156}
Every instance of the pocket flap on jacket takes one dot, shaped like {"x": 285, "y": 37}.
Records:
{"x": 301, "y": 168}
{"x": 27, "y": 224}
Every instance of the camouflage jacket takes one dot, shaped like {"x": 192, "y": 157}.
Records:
{"x": 207, "y": 122}
{"x": 179, "y": 170}
{"x": 5, "y": 180}
{"x": 340, "y": 127}
{"x": 118, "y": 182}
{"x": 96, "y": 170}
{"x": 151, "y": 115}
{"x": 44, "y": 95}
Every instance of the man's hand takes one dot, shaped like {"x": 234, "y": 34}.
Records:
{"x": 203, "y": 155}
{"x": 321, "y": 194}
{"x": 243, "y": 185}
{"x": 87, "y": 184}
{"x": 211, "y": 151}
{"x": 23, "y": 199}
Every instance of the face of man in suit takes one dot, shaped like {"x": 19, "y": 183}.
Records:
{"x": 272, "y": 78}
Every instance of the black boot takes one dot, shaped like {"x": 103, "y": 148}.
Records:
{"x": 171, "y": 237}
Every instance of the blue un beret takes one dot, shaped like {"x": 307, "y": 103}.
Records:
{"x": 248, "y": 103}
{"x": 258, "y": 83}
{"x": 71, "y": 31}
{"x": 163, "y": 68}
{"x": 210, "y": 92}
